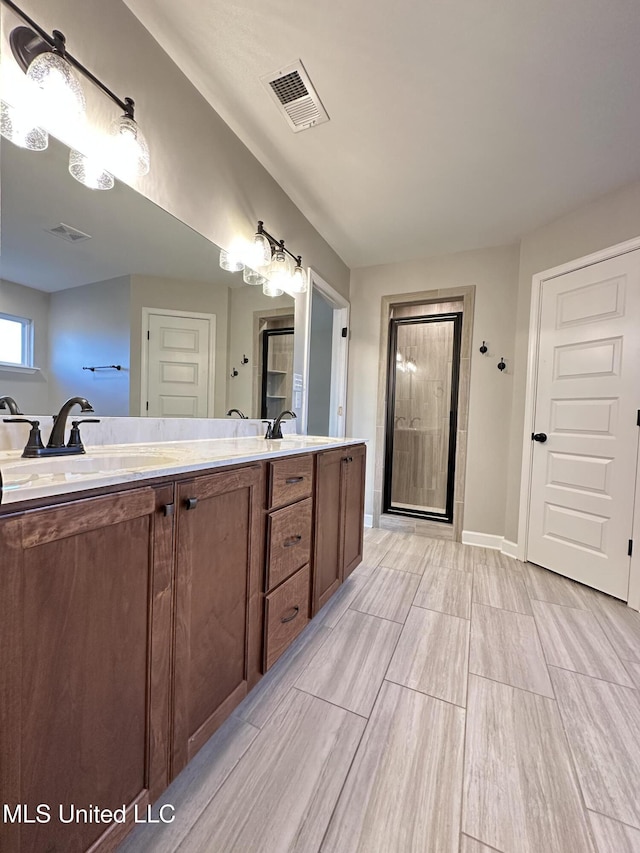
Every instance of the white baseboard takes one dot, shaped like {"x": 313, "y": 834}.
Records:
{"x": 483, "y": 540}
{"x": 368, "y": 521}
{"x": 510, "y": 548}
{"x": 490, "y": 540}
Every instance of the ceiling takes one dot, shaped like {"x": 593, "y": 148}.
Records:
{"x": 455, "y": 124}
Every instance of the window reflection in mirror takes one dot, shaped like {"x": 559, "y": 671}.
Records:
{"x": 108, "y": 279}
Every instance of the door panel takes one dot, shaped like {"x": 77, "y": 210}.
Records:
{"x": 583, "y": 477}
{"x": 178, "y": 366}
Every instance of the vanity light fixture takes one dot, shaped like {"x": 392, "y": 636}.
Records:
{"x": 267, "y": 262}
{"x": 59, "y": 98}
{"x": 19, "y": 128}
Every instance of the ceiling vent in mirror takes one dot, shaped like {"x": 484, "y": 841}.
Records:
{"x": 71, "y": 235}
{"x": 293, "y": 92}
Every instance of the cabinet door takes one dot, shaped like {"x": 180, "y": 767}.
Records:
{"x": 353, "y": 509}
{"x": 85, "y": 632}
{"x": 327, "y": 566}
{"x": 217, "y": 628}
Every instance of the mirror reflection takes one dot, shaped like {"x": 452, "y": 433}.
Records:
{"x": 107, "y": 296}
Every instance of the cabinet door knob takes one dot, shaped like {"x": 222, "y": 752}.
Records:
{"x": 290, "y": 480}
{"x": 296, "y": 610}
{"x": 191, "y": 503}
{"x": 168, "y": 509}
{"x": 292, "y": 540}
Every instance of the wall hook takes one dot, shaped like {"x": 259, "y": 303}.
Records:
{"x": 501, "y": 364}
{"x": 484, "y": 348}
{"x": 244, "y": 359}
{"x": 234, "y": 372}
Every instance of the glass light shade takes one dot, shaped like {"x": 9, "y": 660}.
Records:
{"x": 251, "y": 276}
{"x": 271, "y": 289}
{"x": 261, "y": 251}
{"x": 279, "y": 271}
{"x": 89, "y": 171}
{"x": 130, "y": 152}
{"x": 62, "y": 95}
{"x": 298, "y": 282}
{"x": 21, "y": 130}
{"x": 230, "y": 261}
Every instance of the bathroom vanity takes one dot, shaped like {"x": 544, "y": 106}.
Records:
{"x": 145, "y": 590}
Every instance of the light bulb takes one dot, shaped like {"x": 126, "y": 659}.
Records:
{"x": 89, "y": 171}
{"x": 61, "y": 97}
{"x": 298, "y": 283}
{"x": 251, "y": 276}
{"x": 279, "y": 270}
{"x": 21, "y": 130}
{"x": 230, "y": 261}
{"x": 269, "y": 288}
{"x": 261, "y": 251}
{"x": 129, "y": 150}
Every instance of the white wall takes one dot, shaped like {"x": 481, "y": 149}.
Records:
{"x": 611, "y": 219}
{"x": 29, "y": 390}
{"x": 494, "y": 272}
{"x": 89, "y": 326}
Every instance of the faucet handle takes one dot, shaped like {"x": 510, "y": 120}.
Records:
{"x": 34, "y": 442}
{"x": 74, "y": 437}
{"x": 269, "y": 432}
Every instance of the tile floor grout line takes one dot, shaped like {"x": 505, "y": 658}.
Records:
{"x": 453, "y": 615}
{"x": 571, "y": 758}
{"x": 357, "y": 749}
{"x": 513, "y": 686}
{"x": 466, "y": 717}
{"x": 593, "y": 678}
{"x": 328, "y": 701}
{"x": 484, "y": 843}
{"x": 424, "y": 693}
{"x": 614, "y": 819}
{"x": 374, "y": 616}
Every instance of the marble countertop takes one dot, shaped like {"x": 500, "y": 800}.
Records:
{"x": 109, "y": 465}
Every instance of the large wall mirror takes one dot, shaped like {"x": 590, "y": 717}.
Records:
{"x": 92, "y": 281}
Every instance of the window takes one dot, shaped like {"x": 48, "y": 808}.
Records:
{"x": 16, "y": 341}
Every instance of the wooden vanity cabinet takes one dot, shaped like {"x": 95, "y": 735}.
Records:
{"x": 339, "y": 509}
{"x": 85, "y": 639}
{"x": 219, "y": 560}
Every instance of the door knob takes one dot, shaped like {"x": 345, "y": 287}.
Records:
{"x": 539, "y": 436}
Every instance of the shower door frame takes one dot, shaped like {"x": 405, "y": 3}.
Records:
{"x": 387, "y": 507}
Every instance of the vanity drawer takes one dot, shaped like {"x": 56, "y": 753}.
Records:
{"x": 287, "y": 612}
{"x": 289, "y": 541}
{"x": 290, "y": 480}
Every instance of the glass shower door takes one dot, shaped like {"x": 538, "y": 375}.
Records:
{"x": 422, "y": 395}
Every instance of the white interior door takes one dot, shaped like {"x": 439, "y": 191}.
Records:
{"x": 178, "y": 366}
{"x": 587, "y": 400}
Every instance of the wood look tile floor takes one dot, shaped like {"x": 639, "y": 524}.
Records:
{"x": 448, "y": 699}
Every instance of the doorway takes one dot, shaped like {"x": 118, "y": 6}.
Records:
{"x": 422, "y": 413}
{"x": 583, "y": 443}
{"x": 327, "y": 357}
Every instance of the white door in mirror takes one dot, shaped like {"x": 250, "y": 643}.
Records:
{"x": 586, "y": 441}
{"x": 178, "y": 366}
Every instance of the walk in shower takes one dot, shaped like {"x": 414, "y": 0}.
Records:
{"x": 422, "y": 396}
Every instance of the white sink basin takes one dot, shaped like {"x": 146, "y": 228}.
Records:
{"x": 26, "y": 470}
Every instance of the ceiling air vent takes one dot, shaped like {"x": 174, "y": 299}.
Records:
{"x": 71, "y": 235}
{"x": 298, "y": 101}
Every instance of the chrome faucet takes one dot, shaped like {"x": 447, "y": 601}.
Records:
{"x": 10, "y": 403}
{"x": 56, "y": 439}
{"x": 237, "y": 412}
{"x": 276, "y": 431}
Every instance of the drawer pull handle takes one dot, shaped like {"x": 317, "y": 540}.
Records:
{"x": 168, "y": 509}
{"x": 291, "y": 480}
{"x": 347, "y": 458}
{"x": 293, "y": 540}
{"x": 296, "y": 610}
{"x": 191, "y": 503}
